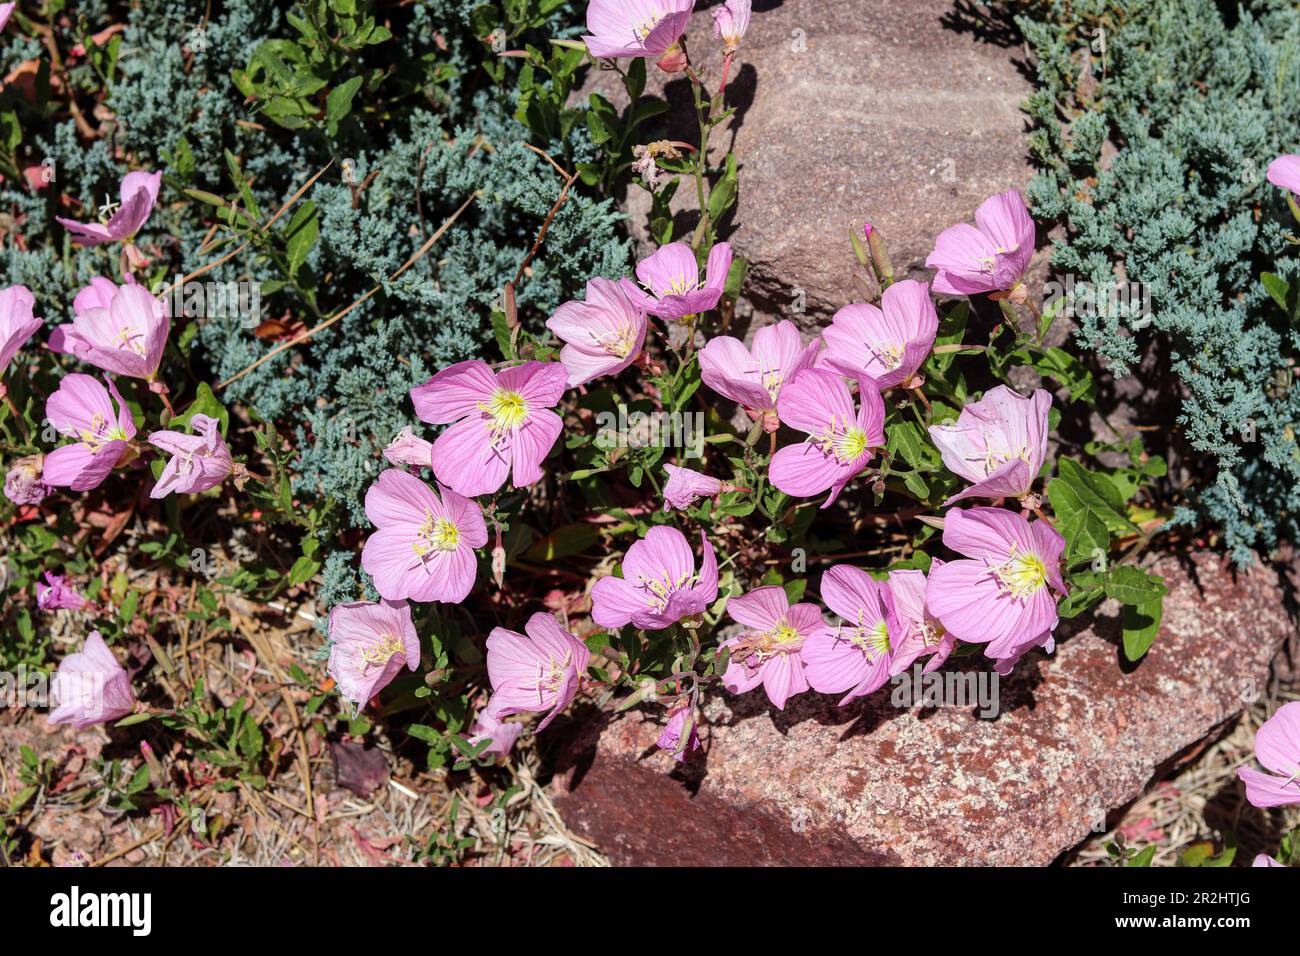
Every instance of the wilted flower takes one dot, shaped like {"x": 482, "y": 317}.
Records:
{"x": 856, "y": 656}
{"x": 659, "y": 585}
{"x": 409, "y": 449}
{"x": 998, "y": 443}
{"x": 771, "y": 651}
{"x": 55, "y": 593}
{"x": 502, "y": 733}
{"x": 919, "y": 632}
{"x": 540, "y": 672}
{"x": 648, "y": 29}
{"x": 754, "y": 378}
{"x": 91, "y": 687}
{"x": 818, "y": 402}
{"x": 603, "y": 334}
{"x": 888, "y": 344}
{"x": 199, "y": 461}
{"x": 369, "y": 645}
{"x": 499, "y": 421}
{"x": 1005, "y": 596}
{"x": 991, "y": 258}
{"x": 138, "y": 192}
{"x": 684, "y": 487}
{"x": 425, "y": 543}
{"x": 682, "y": 717}
{"x": 80, "y": 408}
{"x": 672, "y": 277}
{"x": 730, "y": 21}
{"x": 120, "y": 329}
{"x": 1277, "y": 747}
{"x": 23, "y": 484}
{"x": 1285, "y": 172}
{"x": 17, "y": 323}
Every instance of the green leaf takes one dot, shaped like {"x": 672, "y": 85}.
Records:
{"x": 205, "y": 403}
{"x": 565, "y": 541}
{"x": 1079, "y": 488}
{"x": 134, "y": 719}
{"x": 1141, "y": 623}
{"x": 1144, "y": 858}
{"x": 301, "y": 235}
{"x": 303, "y": 570}
{"x": 1130, "y": 585}
{"x": 908, "y": 439}
{"x": 1279, "y": 289}
{"x": 339, "y": 102}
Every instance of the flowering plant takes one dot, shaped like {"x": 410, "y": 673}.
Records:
{"x": 638, "y": 494}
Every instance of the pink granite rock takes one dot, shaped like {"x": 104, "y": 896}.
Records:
{"x": 849, "y": 110}
{"x": 1078, "y": 734}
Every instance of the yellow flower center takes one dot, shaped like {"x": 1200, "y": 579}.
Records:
{"x": 1023, "y": 575}
{"x": 129, "y": 339}
{"x": 872, "y": 641}
{"x": 382, "y": 651}
{"x": 436, "y": 534}
{"x": 618, "y": 343}
{"x": 784, "y": 634}
{"x": 890, "y": 354}
{"x": 846, "y": 442}
{"x": 508, "y": 409}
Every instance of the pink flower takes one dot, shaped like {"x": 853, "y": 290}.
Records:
{"x": 138, "y": 192}
{"x": 856, "y": 656}
{"x": 673, "y": 278}
{"x": 80, "y": 408}
{"x": 90, "y": 687}
{"x": 120, "y": 329}
{"x": 23, "y": 484}
{"x": 1285, "y": 172}
{"x": 685, "y": 486}
{"x": 1263, "y": 859}
{"x": 424, "y": 548}
{"x": 6, "y": 11}
{"x": 369, "y": 645}
{"x": 993, "y": 257}
{"x": 1005, "y": 596}
{"x": 680, "y": 718}
{"x": 640, "y": 28}
{"x": 199, "y": 461}
{"x": 771, "y": 652}
{"x": 919, "y": 632}
{"x": 409, "y": 449}
{"x": 55, "y": 593}
{"x": 540, "y": 672}
{"x": 502, "y": 733}
{"x": 498, "y": 421}
{"x": 17, "y": 322}
{"x": 659, "y": 585}
{"x": 818, "y": 402}
{"x": 1277, "y": 747}
{"x": 997, "y": 443}
{"x": 603, "y": 334}
{"x": 754, "y": 379}
{"x": 890, "y": 345}
{"x": 730, "y": 21}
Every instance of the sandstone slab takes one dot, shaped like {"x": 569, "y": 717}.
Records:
{"x": 900, "y": 113}
{"x": 1077, "y": 734}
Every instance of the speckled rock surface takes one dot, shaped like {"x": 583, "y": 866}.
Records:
{"x": 1078, "y": 734}
{"x": 849, "y": 110}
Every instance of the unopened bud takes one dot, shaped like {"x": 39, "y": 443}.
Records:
{"x": 674, "y": 61}
{"x": 879, "y": 255}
